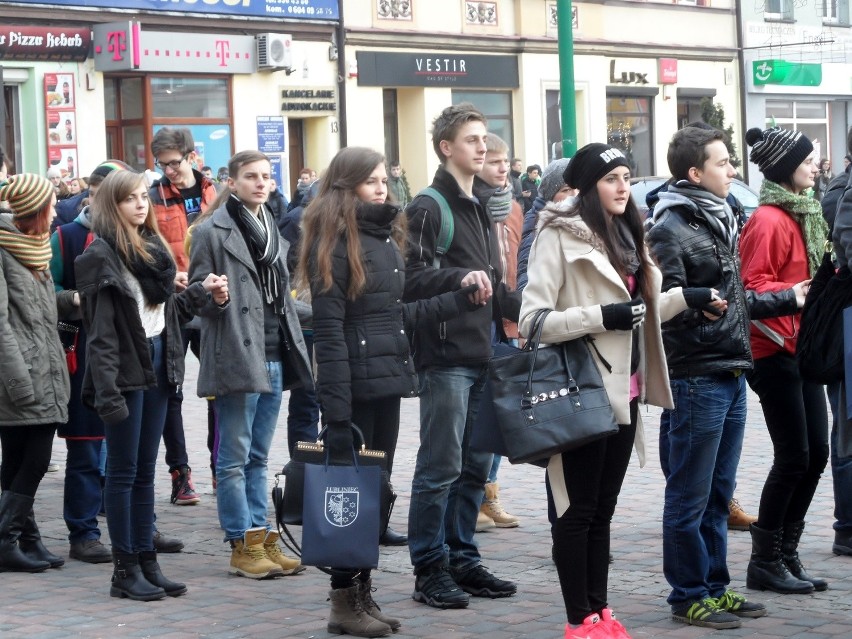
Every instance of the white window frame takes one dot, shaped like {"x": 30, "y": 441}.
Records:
{"x": 785, "y": 13}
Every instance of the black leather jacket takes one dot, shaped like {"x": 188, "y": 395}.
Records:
{"x": 689, "y": 254}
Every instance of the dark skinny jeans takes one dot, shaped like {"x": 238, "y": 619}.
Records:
{"x": 26, "y": 455}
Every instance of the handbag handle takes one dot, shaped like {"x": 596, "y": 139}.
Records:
{"x": 533, "y": 345}
{"x": 358, "y": 431}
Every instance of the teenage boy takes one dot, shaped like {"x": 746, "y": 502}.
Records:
{"x": 178, "y": 198}
{"x": 452, "y": 360}
{"x": 694, "y": 240}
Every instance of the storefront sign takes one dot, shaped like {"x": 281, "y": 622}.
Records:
{"x": 626, "y": 77}
{"x": 787, "y": 73}
{"x": 668, "y": 71}
{"x": 44, "y": 43}
{"x": 436, "y": 70}
{"x": 289, "y": 9}
{"x": 123, "y": 46}
{"x": 307, "y": 101}
{"x": 270, "y": 134}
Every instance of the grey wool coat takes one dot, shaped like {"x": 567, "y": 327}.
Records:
{"x": 233, "y": 358}
{"x": 35, "y": 385}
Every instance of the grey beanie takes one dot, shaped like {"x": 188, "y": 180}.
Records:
{"x": 552, "y": 180}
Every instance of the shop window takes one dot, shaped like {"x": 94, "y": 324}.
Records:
{"x": 811, "y": 118}
{"x": 131, "y": 98}
{"x": 629, "y": 127}
{"x": 496, "y": 106}
{"x": 184, "y": 97}
{"x": 778, "y": 9}
{"x": 391, "y": 117}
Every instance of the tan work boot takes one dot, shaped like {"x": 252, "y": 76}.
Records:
{"x": 248, "y": 557}
{"x": 492, "y": 507}
{"x": 483, "y": 521}
{"x": 275, "y": 554}
{"x": 348, "y": 616}
{"x": 365, "y": 592}
{"x": 739, "y": 519}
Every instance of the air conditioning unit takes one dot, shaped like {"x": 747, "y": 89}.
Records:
{"x": 274, "y": 51}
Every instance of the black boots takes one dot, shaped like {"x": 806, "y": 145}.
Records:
{"x": 30, "y": 543}
{"x": 767, "y": 569}
{"x": 151, "y": 571}
{"x": 128, "y": 580}
{"x": 789, "y": 544}
{"x": 14, "y": 510}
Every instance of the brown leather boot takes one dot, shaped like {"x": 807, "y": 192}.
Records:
{"x": 348, "y": 616}
{"x": 739, "y": 519}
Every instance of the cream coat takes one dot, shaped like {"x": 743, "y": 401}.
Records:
{"x": 571, "y": 275}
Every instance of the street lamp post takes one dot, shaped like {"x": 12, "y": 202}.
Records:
{"x": 565, "y": 37}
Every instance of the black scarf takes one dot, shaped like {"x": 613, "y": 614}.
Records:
{"x": 157, "y": 277}
{"x": 263, "y": 241}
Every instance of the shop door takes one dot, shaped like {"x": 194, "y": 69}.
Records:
{"x": 296, "y": 152}
{"x": 10, "y": 128}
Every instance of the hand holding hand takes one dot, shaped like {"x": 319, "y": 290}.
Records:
{"x": 181, "y": 281}
{"x": 801, "y": 290}
{"x": 484, "y": 292}
{"x": 217, "y": 286}
{"x": 464, "y": 296}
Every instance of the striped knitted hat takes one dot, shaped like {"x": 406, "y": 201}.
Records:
{"x": 27, "y": 193}
{"x": 778, "y": 152}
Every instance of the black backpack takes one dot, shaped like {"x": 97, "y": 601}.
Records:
{"x": 819, "y": 349}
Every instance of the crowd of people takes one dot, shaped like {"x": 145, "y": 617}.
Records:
{"x": 352, "y": 296}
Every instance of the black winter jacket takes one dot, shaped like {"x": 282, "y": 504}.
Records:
{"x": 361, "y": 345}
{"x": 465, "y": 340}
{"x": 689, "y": 254}
{"x": 118, "y": 354}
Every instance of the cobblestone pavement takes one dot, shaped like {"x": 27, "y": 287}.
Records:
{"x": 74, "y": 601}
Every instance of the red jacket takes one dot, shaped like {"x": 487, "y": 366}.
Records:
{"x": 774, "y": 258}
{"x": 171, "y": 213}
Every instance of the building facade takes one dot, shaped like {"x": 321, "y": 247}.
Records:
{"x": 797, "y": 64}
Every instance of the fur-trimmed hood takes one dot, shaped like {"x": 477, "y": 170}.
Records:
{"x": 556, "y": 214}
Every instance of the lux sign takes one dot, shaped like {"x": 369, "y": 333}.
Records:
{"x": 626, "y": 78}
{"x": 123, "y": 46}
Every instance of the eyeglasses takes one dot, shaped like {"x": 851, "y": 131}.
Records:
{"x": 174, "y": 165}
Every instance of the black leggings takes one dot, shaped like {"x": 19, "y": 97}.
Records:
{"x": 797, "y": 421}
{"x": 26, "y": 454}
{"x": 593, "y": 475}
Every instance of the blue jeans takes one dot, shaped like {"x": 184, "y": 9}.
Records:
{"x": 132, "y": 447}
{"x": 449, "y": 476}
{"x": 246, "y": 425}
{"x": 841, "y": 470}
{"x": 700, "y": 444}
{"x": 83, "y": 489}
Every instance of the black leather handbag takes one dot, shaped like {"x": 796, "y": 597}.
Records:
{"x": 549, "y": 399}
{"x": 289, "y": 499}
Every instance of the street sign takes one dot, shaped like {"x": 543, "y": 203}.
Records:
{"x": 787, "y": 73}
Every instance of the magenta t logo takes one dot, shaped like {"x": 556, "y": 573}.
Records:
{"x": 116, "y": 44}
{"x": 223, "y": 48}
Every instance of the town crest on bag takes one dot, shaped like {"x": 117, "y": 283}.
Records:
{"x": 341, "y": 505}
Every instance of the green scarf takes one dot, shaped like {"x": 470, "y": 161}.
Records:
{"x": 808, "y": 215}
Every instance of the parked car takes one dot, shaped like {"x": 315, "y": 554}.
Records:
{"x": 641, "y": 186}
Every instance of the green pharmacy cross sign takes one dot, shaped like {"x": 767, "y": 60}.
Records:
{"x": 789, "y": 73}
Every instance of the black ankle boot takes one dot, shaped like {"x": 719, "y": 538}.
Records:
{"x": 13, "y": 512}
{"x": 128, "y": 580}
{"x": 766, "y": 569}
{"x": 31, "y": 545}
{"x": 151, "y": 571}
{"x": 789, "y": 551}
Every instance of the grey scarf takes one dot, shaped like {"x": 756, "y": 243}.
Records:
{"x": 715, "y": 210}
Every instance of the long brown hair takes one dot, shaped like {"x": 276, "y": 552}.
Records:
{"x": 332, "y": 215}
{"x": 108, "y": 222}
{"x": 588, "y": 207}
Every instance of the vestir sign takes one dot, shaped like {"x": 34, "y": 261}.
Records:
{"x": 290, "y": 9}
{"x": 44, "y": 43}
{"x": 787, "y": 73}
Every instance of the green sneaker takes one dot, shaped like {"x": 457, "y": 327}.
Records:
{"x": 738, "y": 605}
{"x": 707, "y": 614}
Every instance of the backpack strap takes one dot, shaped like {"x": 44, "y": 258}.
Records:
{"x": 446, "y": 229}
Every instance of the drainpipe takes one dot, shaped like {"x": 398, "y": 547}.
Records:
{"x": 743, "y": 90}
{"x": 340, "y": 32}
